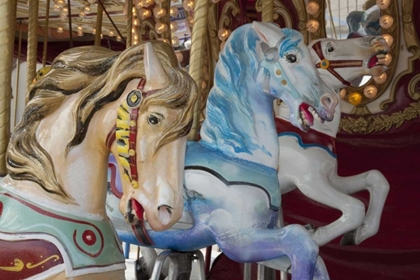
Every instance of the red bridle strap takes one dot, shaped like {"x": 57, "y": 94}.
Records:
{"x": 330, "y": 65}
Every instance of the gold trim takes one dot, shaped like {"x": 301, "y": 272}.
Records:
{"x": 267, "y": 12}
{"x": 282, "y": 11}
{"x": 366, "y": 125}
{"x": 226, "y": 19}
{"x": 412, "y": 87}
{"x": 18, "y": 266}
{"x": 147, "y": 27}
{"x": 303, "y": 16}
{"x": 29, "y": 265}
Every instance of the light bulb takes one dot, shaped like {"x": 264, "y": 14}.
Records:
{"x": 355, "y": 98}
{"x": 174, "y": 26}
{"x": 60, "y": 30}
{"x": 383, "y": 4}
{"x": 389, "y": 40}
{"x": 173, "y": 11}
{"x": 370, "y": 91}
{"x": 175, "y": 41}
{"x": 386, "y": 21}
{"x": 312, "y": 25}
{"x": 223, "y": 34}
{"x": 312, "y": 8}
{"x": 380, "y": 79}
{"x": 161, "y": 27}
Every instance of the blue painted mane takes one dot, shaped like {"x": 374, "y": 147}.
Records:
{"x": 234, "y": 77}
{"x": 229, "y": 121}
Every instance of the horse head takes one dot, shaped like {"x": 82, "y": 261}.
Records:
{"x": 151, "y": 134}
{"x": 341, "y": 61}
{"x": 285, "y": 61}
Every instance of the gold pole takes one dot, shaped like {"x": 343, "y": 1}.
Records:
{"x": 31, "y": 56}
{"x": 44, "y": 51}
{"x": 98, "y": 25}
{"x": 198, "y": 39}
{"x": 267, "y": 14}
{"x": 7, "y": 33}
{"x": 70, "y": 25}
{"x": 129, "y": 23}
{"x": 15, "y": 103}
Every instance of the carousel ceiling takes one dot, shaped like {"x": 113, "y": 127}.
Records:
{"x": 83, "y": 15}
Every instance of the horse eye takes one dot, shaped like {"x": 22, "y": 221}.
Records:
{"x": 291, "y": 58}
{"x": 153, "y": 120}
{"x": 330, "y": 49}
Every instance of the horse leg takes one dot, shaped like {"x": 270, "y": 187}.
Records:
{"x": 378, "y": 187}
{"x": 317, "y": 187}
{"x": 257, "y": 244}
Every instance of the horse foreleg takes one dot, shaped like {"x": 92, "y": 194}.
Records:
{"x": 258, "y": 244}
{"x": 378, "y": 188}
{"x": 317, "y": 187}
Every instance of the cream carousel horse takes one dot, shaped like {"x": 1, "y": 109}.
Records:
{"x": 308, "y": 160}
{"x": 231, "y": 185}
{"x": 136, "y": 104}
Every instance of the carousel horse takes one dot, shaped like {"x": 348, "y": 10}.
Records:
{"x": 308, "y": 161}
{"x": 136, "y": 104}
{"x": 368, "y": 20}
{"x": 231, "y": 185}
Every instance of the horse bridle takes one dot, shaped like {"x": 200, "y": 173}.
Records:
{"x": 331, "y": 65}
{"x": 125, "y": 131}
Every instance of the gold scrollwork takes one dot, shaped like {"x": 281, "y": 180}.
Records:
{"x": 18, "y": 264}
{"x": 281, "y": 10}
{"x": 231, "y": 8}
{"x": 148, "y": 27}
{"x": 413, "y": 86}
{"x": 302, "y": 16}
{"x": 366, "y": 125}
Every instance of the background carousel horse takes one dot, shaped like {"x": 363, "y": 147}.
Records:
{"x": 308, "y": 160}
{"x": 367, "y": 20}
{"x": 231, "y": 185}
{"x": 53, "y": 221}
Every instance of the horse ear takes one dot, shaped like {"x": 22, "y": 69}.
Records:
{"x": 268, "y": 32}
{"x": 156, "y": 76}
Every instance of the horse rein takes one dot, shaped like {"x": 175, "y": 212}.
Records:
{"x": 125, "y": 131}
{"x": 330, "y": 65}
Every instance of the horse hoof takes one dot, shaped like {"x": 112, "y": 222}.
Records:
{"x": 349, "y": 238}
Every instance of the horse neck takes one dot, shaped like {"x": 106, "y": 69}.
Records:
{"x": 257, "y": 140}
{"x": 82, "y": 172}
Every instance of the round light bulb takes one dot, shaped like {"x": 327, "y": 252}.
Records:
{"x": 190, "y": 20}
{"x": 79, "y": 33}
{"x": 386, "y": 21}
{"x": 87, "y": 9}
{"x": 312, "y": 25}
{"x": 161, "y": 27}
{"x": 147, "y": 3}
{"x": 383, "y": 4}
{"x": 380, "y": 79}
{"x": 355, "y": 98}
{"x": 118, "y": 38}
{"x": 60, "y": 30}
{"x": 312, "y": 8}
{"x": 389, "y": 40}
{"x": 188, "y": 5}
{"x": 82, "y": 14}
{"x": 179, "y": 56}
{"x": 159, "y": 12}
{"x": 111, "y": 33}
{"x": 174, "y": 26}
{"x": 56, "y": 7}
{"x": 343, "y": 93}
{"x": 370, "y": 91}
{"x": 175, "y": 41}
{"x": 223, "y": 34}
{"x": 145, "y": 13}
{"x": 173, "y": 12}
{"x": 94, "y": 31}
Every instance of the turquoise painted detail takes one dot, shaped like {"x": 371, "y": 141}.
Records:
{"x": 305, "y": 146}
{"x": 234, "y": 170}
{"x": 20, "y": 216}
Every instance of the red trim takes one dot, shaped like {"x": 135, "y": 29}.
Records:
{"x": 335, "y": 63}
{"x": 55, "y": 216}
{"x": 311, "y": 137}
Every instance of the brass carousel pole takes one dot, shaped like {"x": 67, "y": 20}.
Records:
{"x": 31, "y": 55}
{"x": 98, "y": 25}
{"x": 129, "y": 23}
{"x": 16, "y": 97}
{"x": 44, "y": 52}
{"x": 7, "y": 33}
{"x": 198, "y": 39}
{"x": 267, "y": 13}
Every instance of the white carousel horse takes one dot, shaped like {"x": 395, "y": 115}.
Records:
{"x": 308, "y": 160}
{"x": 53, "y": 221}
{"x": 231, "y": 185}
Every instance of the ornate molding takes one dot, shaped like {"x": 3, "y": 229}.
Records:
{"x": 378, "y": 123}
{"x": 302, "y": 17}
{"x": 231, "y": 8}
{"x": 148, "y": 28}
{"x": 281, "y": 10}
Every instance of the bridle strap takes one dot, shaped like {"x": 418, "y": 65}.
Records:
{"x": 330, "y": 65}
{"x": 110, "y": 139}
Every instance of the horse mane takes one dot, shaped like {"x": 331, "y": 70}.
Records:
{"x": 97, "y": 76}
{"x": 234, "y": 76}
